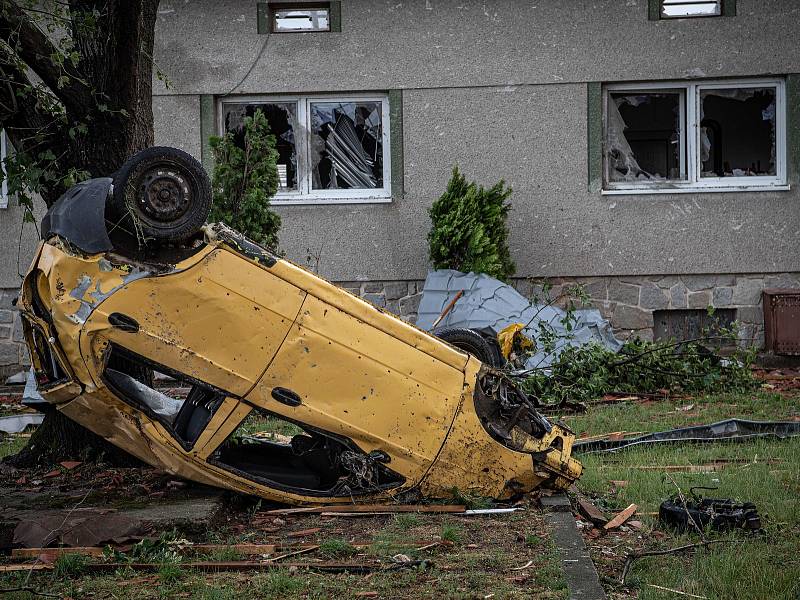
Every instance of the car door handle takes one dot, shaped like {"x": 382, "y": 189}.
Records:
{"x": 123, "y": 322}
{"x": 285, "y": 396}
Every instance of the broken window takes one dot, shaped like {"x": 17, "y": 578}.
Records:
{"x": 182, "y": 405}
{"x": 646, "y": 137}
{"x": 330, "y": 148}
{"x": 667, "y": 137}
{"x": 300, "y": 17}
{"x": 672, "y": 9}
{"x": 273, "y": 451}
{"x": 737, "y": 132}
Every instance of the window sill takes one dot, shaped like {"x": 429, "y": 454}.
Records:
{"x": 695, "y": 190}
{"x": 310, "y": 201}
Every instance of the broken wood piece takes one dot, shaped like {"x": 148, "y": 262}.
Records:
{"x": 447, "y": 308}
{"x": 233, "y": 565}
{"x": 679, "y": 592}
{"x": 590, "y": 511}
{"x": 304, "y": 532}
{"x": 620, "y": 517}
{"x": 366, "y": 508}
{"x": 525, "y": 566}
{"x": 35, "y": 552}
{"x": 295, "y": 553}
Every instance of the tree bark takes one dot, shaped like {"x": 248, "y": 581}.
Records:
{"x": 109, "y": 91}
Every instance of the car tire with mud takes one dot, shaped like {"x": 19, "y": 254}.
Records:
{"x": 161, "y": 194}
{"x": 472, "y": 342}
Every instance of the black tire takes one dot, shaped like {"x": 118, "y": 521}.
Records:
{"x": 162, "y": 193}
{"x": 472, "y": 342}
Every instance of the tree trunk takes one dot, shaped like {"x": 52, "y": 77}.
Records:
{"x": 107, "y": 100}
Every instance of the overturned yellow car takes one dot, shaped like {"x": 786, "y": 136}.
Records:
{"x": 381, "y": 409}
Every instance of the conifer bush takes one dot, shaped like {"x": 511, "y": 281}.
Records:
{"x": 468, "y": 231}
{"x": 245, "y": 178}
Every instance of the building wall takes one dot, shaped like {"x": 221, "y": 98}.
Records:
{"x": 499, "y": 88}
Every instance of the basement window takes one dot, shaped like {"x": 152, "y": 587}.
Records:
{"x": 678, "y": 9}
{"x": 710, "y": 136}
{"x": 331, "y": 149}
{"x": 682, "y": 325}
{"x": 288, "y": 18}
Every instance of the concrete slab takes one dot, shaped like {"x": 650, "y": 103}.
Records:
{"x": 579, "y": 569}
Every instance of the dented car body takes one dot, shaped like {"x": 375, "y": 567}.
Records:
{"x": 384, "y": 409}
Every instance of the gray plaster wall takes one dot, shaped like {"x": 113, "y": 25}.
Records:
{"x": 207, "y": 46}
{"x": 498, "y": 88}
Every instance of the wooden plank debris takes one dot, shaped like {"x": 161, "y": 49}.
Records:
{"x": 371, "y": 508}
{"x": 620, "y": 517}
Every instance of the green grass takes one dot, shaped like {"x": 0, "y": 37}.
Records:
{"x": 337, "y": 548}
{"x": 451, "y": 533}
{"x": 259, "y": 423}
{"x": 746, "y": 567}
{"x": 11, "y": 444}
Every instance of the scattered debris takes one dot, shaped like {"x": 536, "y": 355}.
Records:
{"x": 591, "y": 512}
{"x": 723, "y": 431}
{"x": 679, "y": 592}
{"x": 18, "y": 423}
{"x": 620, "y": 517}
{"x": 369, "y": 508}
{"x": 719, "y": 513}
{"x": 79, "y": 527}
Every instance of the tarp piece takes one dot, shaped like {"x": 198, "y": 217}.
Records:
{"x": 489, "y": 304}
{"x": 730, "y": 430}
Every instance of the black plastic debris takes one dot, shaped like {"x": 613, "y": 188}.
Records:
{"x": 731, "y": 430}
{"x": 721, "y": 514}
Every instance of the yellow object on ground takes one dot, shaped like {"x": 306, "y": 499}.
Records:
{"x": 511, "y": 337}
{"x": 383, "y": 409}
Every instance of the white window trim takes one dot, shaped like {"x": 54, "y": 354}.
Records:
{"x": 3, "y": 176}
{"x": 305, "y": 194}
{"x": 691, "y": 139}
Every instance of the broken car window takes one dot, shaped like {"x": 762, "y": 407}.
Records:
{"x": 346, "y": 146}
{"x": 644, "y": 137}
{"x": 282, "y": 119}
{"x": 737, "y": 132}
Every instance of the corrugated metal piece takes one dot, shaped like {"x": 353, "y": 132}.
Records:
{"x": 782, "y": 320}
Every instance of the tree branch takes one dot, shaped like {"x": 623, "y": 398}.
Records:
{"x": 35, "y": 49}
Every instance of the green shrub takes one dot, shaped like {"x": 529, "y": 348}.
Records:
{"x": 468, "y": 230}
{"x": 245, "y": 178}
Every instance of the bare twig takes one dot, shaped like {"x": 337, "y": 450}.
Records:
{"x": 666, "y": 589}
{"x": 28, "y": 589}
{"x": 686, "y": 508}
{"x": 631, "y": 558}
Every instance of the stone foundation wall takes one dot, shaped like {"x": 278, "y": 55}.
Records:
{"x": 628, "y": 302}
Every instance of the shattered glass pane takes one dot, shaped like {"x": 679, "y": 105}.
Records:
{"x": 737, "y": 132}
{"x": 684, "y": 8}
{"x": 346, "y": 145}
{"x": 644, "y": 136}
{"x": 294, "y": 19}
{"x": 282, "y": 118}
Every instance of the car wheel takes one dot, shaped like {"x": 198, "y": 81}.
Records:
{"x": 474, "y": 343}
{"x": 163, "y": 194}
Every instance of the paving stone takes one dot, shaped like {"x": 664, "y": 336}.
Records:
{"x": 784, "y": 280}
{"x": 625, "y": 293}
{"x": 747, "y": 291}
{"x": 699, "y": 299}
{"x": 9, "y": 353}
{"x": 750, "y": 314}
{"x": 395, "y": 289}
{"x": 668, "y": 281}
{"x": 630, "y": 317}
{"x": 595, "y": 289}
{"x": 376, "y": 299}
{"x": 699, "y": 282}
{"x": 652, "y": 297}
{"x": 677, "y": 296}
{"x": 371, "y": 287}
{"x": 722, "y": 296}
{"x": 410, "y": 304}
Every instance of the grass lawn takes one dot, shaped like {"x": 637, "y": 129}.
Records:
{"x": 764, "y": 472}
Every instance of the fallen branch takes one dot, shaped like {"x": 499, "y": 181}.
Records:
{"x": 666, "y": 589}
{"x": 634, "y": 556}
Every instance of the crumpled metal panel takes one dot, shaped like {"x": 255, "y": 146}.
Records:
{"x": 489, "y": 304}
{"x": 79, "y": 216}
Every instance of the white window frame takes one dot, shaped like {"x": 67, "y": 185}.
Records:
{"x": 690, "y": 141}
{"x": 718, "y": 13}
{"x": 302, "y": 134}
{"x": 3, "y": 175}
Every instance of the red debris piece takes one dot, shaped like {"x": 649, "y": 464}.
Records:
{"x": 70, "y": 464}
